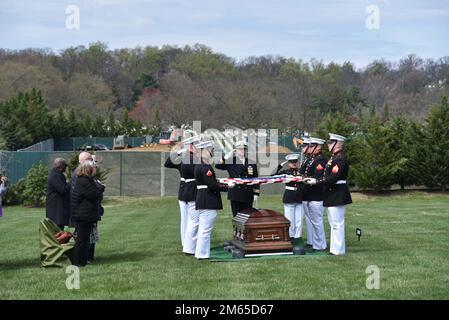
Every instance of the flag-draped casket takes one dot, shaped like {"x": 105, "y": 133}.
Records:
{"x": 261, "y": 231}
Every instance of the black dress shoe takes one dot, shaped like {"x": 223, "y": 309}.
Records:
{"x": 331, "y": 254}
{"x": 189, "y": 254}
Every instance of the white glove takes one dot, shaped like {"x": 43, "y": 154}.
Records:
{"x": 229, "y": 154}
{"x": 179, "y": 152}
{"x": 256, "y": 201}
{"x": 231, "y": 184}
{"x": 310, "y": 181}
{"x": 283, "y": 163}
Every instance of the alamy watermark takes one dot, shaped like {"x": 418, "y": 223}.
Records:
{"x": 262, "y": 146}
{"x": 72, "y": 282}
{"x": 72, "y": 21}
{"x": 372, "y": 21}
{"x": 373, "y": 279}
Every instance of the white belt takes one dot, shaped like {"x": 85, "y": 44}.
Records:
{"x": 291, "y": 188}
{"x": 341, "y": 182}
{"x": 187, "y": 180}
{"x": 201, "y": 187}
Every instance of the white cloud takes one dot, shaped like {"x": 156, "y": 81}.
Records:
{"x": 332, "y": 30}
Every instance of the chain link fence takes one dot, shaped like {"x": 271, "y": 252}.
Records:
{"x": 130, "y": 173}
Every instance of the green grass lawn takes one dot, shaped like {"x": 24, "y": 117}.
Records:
{"x": 139, "y": 256}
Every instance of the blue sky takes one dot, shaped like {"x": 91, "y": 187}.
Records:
{"x": 327, "y": 30}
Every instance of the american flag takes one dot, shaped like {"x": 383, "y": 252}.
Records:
{"x": 262, "y": 180}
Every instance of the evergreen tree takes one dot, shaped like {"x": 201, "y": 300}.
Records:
{"x": 111, "y": 126}
{"x": 73, "y": 124}
{"x": 380, "y": 154}
{"x": 399, "y": 140}
{"x": 35, "y": 186}
{"x": 87, "y": 125}
{"x": 127, "y": 125}
{"x": 59, "y": 125}
{"x": 432, "y": 150}
{"x": 24, "y": 120}
{"x": 98, "y": 129}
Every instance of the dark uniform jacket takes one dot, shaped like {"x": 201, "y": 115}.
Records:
{"x": 314, "y": 169}
{"x": 302, "y": 170}
{"x": 186, "y": 167}
{"x": 304, "y": 164}
{"x": 291, "y": 196}
{"x": 210, "y": 197}
{"x": 335, "y": 195}
{"x": 86, "y": 197}
{"x": 236, "y": 169}
{"x": 57, "y": 204}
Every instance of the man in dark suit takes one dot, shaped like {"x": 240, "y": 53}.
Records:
{"x": 241, "y": 196}
{"x": 57, "y": 205}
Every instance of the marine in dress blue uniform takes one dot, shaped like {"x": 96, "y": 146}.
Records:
{"x": 292, "y": 199}
{"x": 336, "y": 192}
{"x": 208, "y": 198}
{"x": 184, "y": 161}
{"x": 305, "y": 148}
{"x": 241, "y": 196}
{"x": 315, "y": 193}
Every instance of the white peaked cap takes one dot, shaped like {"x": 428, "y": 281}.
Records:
{"x": 333, "y": 136}
{"x": 305, "y": 140}
{"x": 293, "y": 156}
{"x": 190, "y": 140}
{"x": 317, "y": 141}
{"x": 205, "y": 144}
{"x": 241, "y": 143}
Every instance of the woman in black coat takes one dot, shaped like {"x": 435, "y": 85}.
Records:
{"x": 86, "y": 196}
{"x": 57, "y": 204}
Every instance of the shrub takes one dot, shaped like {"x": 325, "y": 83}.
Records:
{"x": 36, "y": 186}
{"x": 14, "y": 196}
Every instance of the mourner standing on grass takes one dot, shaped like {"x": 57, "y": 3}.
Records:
{"x": 184, "y": 161}
{"x": 3, "y": 189}
{"x": 83, "y": 156}
{"x": 208, "y": 198}
{"x": 314, "y": 194}
{"x": 57, "y": 203}
{"x": 305, "y": 148}
{"x": 336, "y": 192}
{"x": 292, "y": 198}
{"x": 85, "y": 200}
{"x": 94, "y": 234}
{"x": 241, "y": 196}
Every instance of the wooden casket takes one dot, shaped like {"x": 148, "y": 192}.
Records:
{"x": 261, "y": 231}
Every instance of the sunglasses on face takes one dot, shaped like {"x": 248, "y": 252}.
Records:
{"x": 293, "y": 161}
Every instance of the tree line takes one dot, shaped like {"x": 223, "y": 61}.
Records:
{"x": 179, "y": 85}
{"x": 384, "y": 151}
{"x": 396, "y": 114}
{"x": 25, "y": 119}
